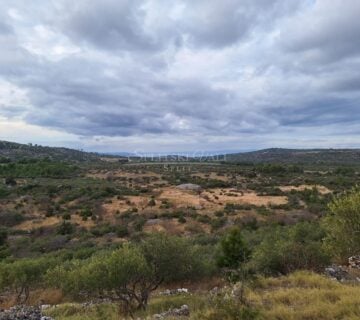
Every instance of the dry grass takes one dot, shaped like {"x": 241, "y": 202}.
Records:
{"x": 211, "y": 175}
{"x": 39, "y": 296}
{"x": 306, "y": 296}
{"x": 38, "y": 223}
{"x": 320, "y": 189}
{"x": 299, "y": 296}
{"x": 228, "y": 195}
{"x": 171, "y": 226}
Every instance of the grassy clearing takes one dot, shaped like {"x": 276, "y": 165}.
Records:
{"x": 299, "y": 296}
{"x": 304, "y": 295}
{"x": 111, "y": 311}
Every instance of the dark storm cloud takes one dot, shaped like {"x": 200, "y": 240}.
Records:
{"x": 121, "y": 68}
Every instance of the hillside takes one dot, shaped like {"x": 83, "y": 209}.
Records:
{"x": 301, "y": 156}
{"x": 12, "y": 150}
{"x": 61, "y": 221}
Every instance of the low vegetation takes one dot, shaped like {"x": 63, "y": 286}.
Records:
{"x": 120, "y": 233}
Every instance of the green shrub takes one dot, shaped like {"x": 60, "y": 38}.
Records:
{"x": 66, "y": 228}
{"x": 129, "y": 274}
{"x": 3, "y": 235}
{"x": 342, "y": 225}
{"x": 122, "y": 231}
{"x": 286, "y": 249}
{"x": 233, "y": 250}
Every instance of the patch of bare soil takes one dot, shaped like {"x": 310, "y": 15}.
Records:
{"x": 105, "y": 174}
{"x": 171, "y": 226}
{"x": 117, "y": 206}
{"x": 44, "y": 222}
{"x": 212, "y": 175}
{"x": 321, "y": 189}
{"x": 182, "y": 198}
{"x": 228, "y": 195}
{"x": 38, "y": 223}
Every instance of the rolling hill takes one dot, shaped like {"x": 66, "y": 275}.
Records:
{"x": 12, "y": 150}
{"x": 299, "y": 156}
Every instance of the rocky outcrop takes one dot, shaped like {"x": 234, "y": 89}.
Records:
{"x": 23, "y": 313}
{"x": 169, "y": 292}
{"x": 337, "y": 273}
{"x": 189, "y": 186}
{"x": 183, "y": 311}
{"x": 354, "y": 262}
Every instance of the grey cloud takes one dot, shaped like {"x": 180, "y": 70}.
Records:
{"x": 110, "y": 24}
{"x": 325, "y": 32}
{"x": 89, "y": 103}
{"x": 349, "y": 83}
{"x": 4, "y": 28}
{"x": 222, "y": 23}
{"x": 123, "y": 81}
{"x": 122, "y": 24}
{"x": 319, "y": 113}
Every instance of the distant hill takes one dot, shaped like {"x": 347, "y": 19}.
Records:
{"x": 300, "y": 156}
{"x": 12, "y": 150}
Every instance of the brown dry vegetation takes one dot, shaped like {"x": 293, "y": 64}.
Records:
{"x": 320, "y": 189}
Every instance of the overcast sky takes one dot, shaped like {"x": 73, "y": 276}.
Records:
{"x": 180, "y": 75}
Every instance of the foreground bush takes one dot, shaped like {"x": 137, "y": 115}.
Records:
{"x": 23, "y": 275}
{"x": 298, "y": 296}
{"x": 287, "y": 249}
{"x": 342, "y": 224}
{"x": 129, "y": 274}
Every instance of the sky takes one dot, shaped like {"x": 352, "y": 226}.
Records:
{"x": 181, "y": 75}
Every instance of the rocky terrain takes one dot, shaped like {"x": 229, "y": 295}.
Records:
{"x": 23, "y": 313}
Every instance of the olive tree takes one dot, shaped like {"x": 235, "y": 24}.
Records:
{"x": 129, "y": 274}
{"x": 23, "y": 275}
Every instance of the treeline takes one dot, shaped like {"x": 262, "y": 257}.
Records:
{"x": 126, "y": 275}
{"x": 34, "y": 169}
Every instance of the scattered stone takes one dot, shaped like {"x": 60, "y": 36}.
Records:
{"x": 215, "y": 291}
{"x": 45, "y": 306}
{"x": 183, "y": 311}
{"x": 337, "y": 273}
{"x": 354, "y": 262}
{"x": 189, "y": 186}
{"x": 168, "y": 292}
{"x": 152, "y": 222}
{"x": 23, "y": 313}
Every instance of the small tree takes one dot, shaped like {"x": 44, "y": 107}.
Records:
{"x": 23, "y": 275}
{"x": 113, "y": 276}
{"x": 233, "y": 250}
{"x": 342, "y": 225}
{"x": 170, "y": 259}
{"x": 129, "y": 274}
{"x": 233, "y": 255}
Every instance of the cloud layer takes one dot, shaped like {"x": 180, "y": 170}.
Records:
{"x": 178, "y": 75}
